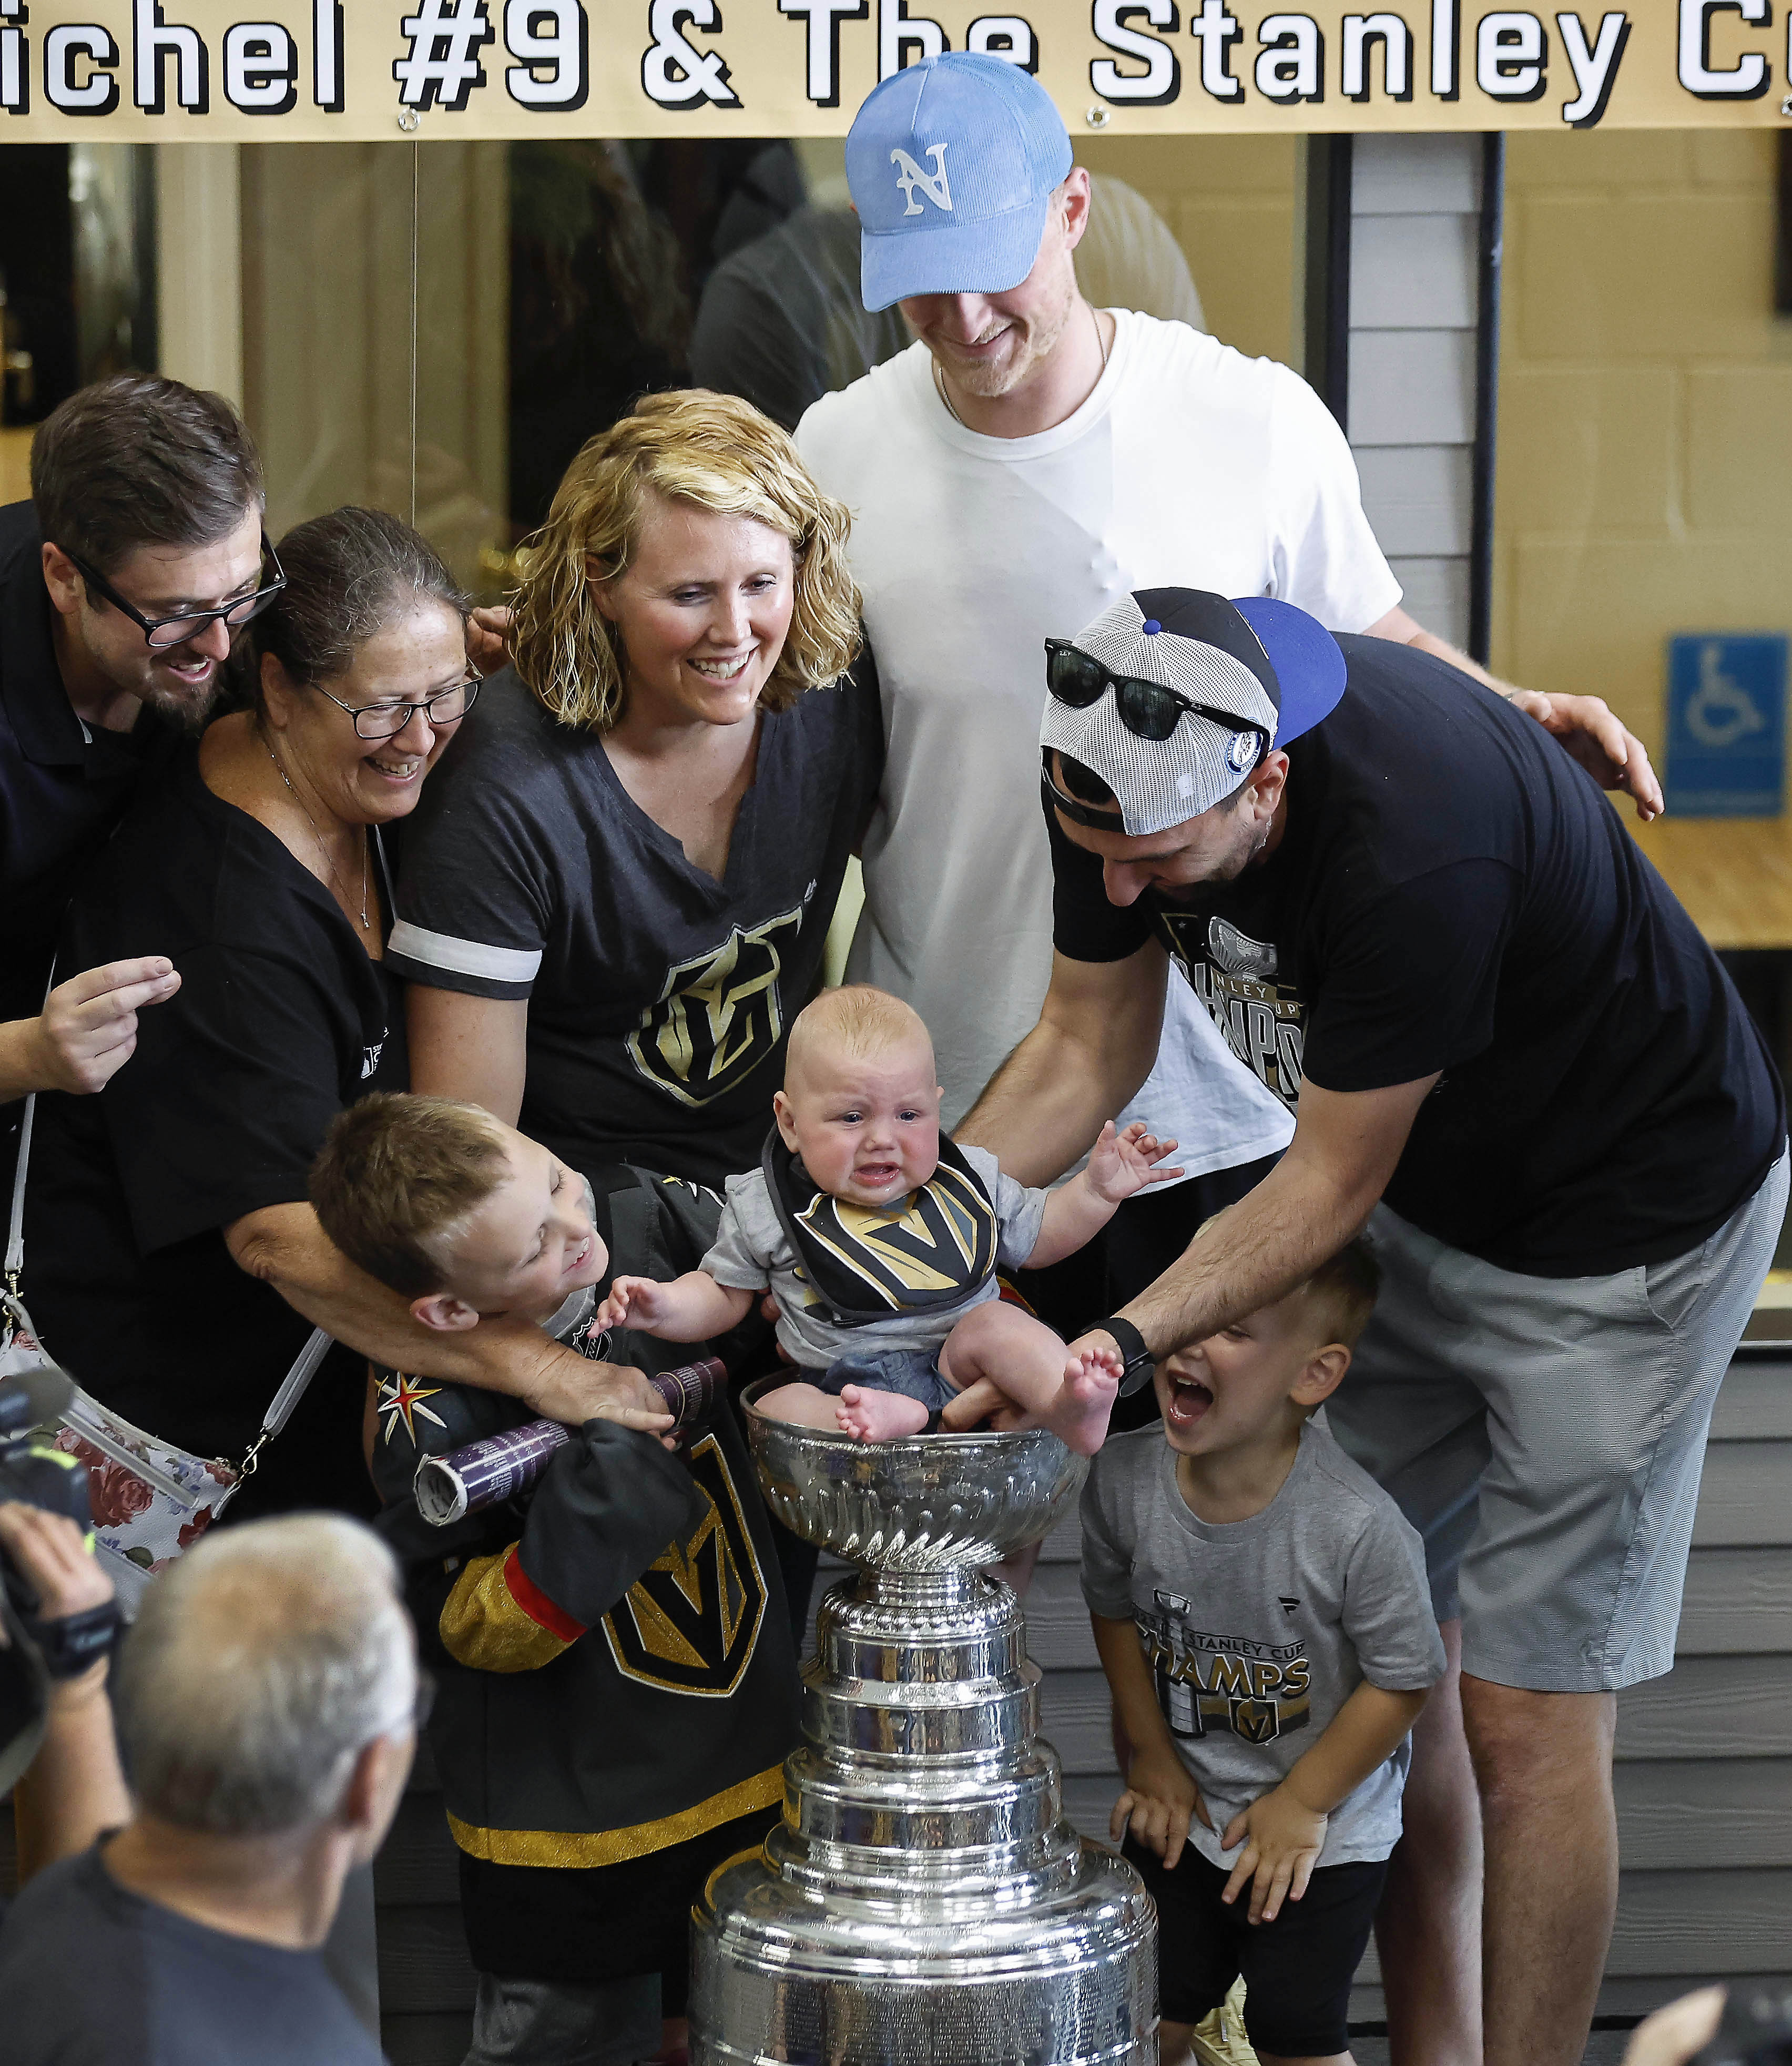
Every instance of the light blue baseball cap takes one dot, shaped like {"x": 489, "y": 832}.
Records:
{"x": 951, "y": 162}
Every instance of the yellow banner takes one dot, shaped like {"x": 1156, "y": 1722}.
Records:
{"x": 172, "y": 70}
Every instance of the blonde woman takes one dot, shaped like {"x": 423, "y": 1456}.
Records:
{"x": 616, "y": 892}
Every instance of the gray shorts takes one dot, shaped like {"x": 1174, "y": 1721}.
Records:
{"x": 1545, "y": 1435}
{"x": 915, "y": 1373}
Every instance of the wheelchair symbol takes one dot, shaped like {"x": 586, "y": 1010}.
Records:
{"x": 1721, "y": 712}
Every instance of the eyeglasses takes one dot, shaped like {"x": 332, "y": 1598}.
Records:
{"x": 1147, "y": 709}
{"x": 163, "y": 632}
{"x": 446, "y": 707}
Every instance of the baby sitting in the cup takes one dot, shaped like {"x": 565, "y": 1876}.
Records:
{"x": 879, "y": 1241}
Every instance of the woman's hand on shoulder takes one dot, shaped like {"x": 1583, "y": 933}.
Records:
{"x": 489, "y": 640}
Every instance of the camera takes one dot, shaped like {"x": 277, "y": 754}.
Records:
{"x": 31, "y": 1471}
{"x": 34, "y": 1652}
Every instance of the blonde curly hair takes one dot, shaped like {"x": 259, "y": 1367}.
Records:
{"x": 715, "y": 453}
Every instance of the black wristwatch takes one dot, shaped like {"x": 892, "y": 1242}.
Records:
{"x": 70, "y": 1642}
{"x": 1139, "y": 1361}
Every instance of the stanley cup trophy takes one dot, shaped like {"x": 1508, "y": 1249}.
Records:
{"x": 924, "y": 1902}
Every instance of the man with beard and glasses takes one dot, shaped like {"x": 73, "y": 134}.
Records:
{"x": 123, "y": 582}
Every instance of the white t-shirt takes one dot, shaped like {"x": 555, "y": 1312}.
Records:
{"x": 1189, "y": 466}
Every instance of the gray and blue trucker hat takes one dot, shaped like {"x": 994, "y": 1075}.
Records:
{"x": 951, "y": 164}
{"x": 1267, "y": 671}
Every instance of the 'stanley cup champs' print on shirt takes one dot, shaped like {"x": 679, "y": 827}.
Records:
{"x": 1234, "y": 977}
{"x": 719, "y": 1015}
{"x": 1256, "y": 1690}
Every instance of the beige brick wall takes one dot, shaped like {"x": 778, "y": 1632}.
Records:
{"x": 1230, "y": 201}
{"x": 1645, "y": 431}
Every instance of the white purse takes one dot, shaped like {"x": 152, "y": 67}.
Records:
{"x": 151, "y": 1499}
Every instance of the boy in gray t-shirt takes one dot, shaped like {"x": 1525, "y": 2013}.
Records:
{"x": 1261, "y": 1609}
{"x": 879, "y": 1241}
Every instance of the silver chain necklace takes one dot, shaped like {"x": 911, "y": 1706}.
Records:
{"x": 341, "y": 891}
{"x": 939, "y": 379}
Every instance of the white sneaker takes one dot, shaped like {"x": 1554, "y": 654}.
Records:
{"x": 1219, "y": 2038}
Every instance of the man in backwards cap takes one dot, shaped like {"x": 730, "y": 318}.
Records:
{"x": 1029, "y": 459}
{"x": 1512, "y": 1056}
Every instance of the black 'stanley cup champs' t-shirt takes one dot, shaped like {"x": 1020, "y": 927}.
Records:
{"x": 1451, "y": 893}
{"x": 659, "y": 999}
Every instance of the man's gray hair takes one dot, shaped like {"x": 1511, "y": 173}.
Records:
{"x": 260, "y": 1664}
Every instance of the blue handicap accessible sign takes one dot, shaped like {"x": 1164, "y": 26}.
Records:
{"x": 1726, "y": 724}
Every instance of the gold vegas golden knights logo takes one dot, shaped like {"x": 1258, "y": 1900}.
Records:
{"x": 690, "y": 1621}
{"x": 718, "y": 1016}
{"x": 941, "y": 1240}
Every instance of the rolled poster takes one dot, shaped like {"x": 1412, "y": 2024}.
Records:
{"x": 485, "y": 1473}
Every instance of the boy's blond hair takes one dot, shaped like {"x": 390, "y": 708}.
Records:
{"x": 1342, "y": 1293}
{"x": 398, "y": 1171}
{"x": 856, "y": 1019}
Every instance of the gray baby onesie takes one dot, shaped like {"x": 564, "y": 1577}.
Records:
{"x": 752, "y": 1252}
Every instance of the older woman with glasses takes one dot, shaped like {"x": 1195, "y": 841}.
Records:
{"x": 174, "y": 1263}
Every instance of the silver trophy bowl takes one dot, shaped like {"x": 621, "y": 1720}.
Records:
{"x": 933, "y": 1503}
{"x": 923, "y": 1902}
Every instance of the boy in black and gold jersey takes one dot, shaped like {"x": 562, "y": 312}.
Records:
{"x": 618, "y": 1685}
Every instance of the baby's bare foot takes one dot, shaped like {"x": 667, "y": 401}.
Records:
{"x": 878, "y": 1417}
{"x": 1078, "y": 1416}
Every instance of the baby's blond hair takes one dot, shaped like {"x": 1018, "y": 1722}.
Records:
{"x": 856, "y": 1019}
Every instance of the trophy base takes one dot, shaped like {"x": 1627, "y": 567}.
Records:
{"x": 783, "y": 1980}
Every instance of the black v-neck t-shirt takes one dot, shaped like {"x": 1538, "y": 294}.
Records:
{"x": 1451, "y": 893}
{"x": 659, "y": 999}
{"x": 282, "y": 1020}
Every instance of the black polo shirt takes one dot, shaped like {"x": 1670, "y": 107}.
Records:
{"x": 64, "y": 785}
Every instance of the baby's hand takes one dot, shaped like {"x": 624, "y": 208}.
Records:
{"x": 1121, "y": 1164}
{"x": 1283, "y": 1838}
{"x": 1160, "y": 1801}
{"x": 633, "y": 1301}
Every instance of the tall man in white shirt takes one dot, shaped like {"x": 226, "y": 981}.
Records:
{"x": 1030, "y": 458}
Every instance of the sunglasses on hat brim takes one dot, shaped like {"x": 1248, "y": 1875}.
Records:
{"x": 1147, "y": 709}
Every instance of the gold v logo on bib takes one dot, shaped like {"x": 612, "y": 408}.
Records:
{"x": 690, "y": 1621}
{"x": 940, "y": 1239}
{"x": 718, "y": 1016}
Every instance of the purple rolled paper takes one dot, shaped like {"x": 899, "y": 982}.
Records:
{"x": 486, "y": 1473}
